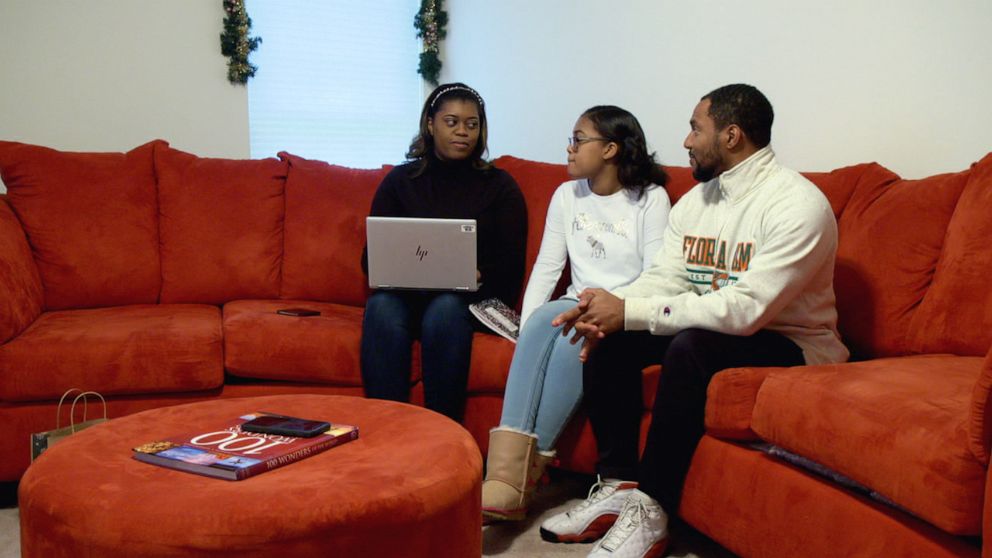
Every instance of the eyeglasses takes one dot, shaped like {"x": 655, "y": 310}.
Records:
{"x": 575, "y": 143}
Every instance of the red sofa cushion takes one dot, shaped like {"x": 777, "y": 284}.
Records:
{"x": 491, "y": 357}
{"x": 680, "y": 181}
{"x": 980, "y": 428}
{"x": 759, "y": 506}
{"x": 886, "y": 255}
{"x": 221, "y": 225}
{"x": 326, "y": 206}
{"x": 258, "y": 343}
{"x": 140, "y": 349}
{"x": 91, "y": 221}
{"x": 956, "y": 314}
{"x": 900, "y": 426}
{"x": 839, "y": 185}
{"x": 730, "y": 399}
{"x": 20, "y": 284}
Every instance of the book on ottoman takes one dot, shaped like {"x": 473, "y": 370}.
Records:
{"x": 228, "y": 452}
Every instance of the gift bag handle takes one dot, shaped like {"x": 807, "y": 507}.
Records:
{"x": 72, "y": 410}
{"x": 58, "y": 413}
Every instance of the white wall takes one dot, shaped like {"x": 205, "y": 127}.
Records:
{"x": 906, "y": 83}
{"x": 109, "y": 75}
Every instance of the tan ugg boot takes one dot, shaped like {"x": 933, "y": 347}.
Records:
{"x": 513, "y": 469}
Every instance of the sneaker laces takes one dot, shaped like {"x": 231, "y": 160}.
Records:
{"x": 597, "y": 493}
{"x": 633, "y": 514}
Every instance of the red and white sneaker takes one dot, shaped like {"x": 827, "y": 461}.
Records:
{"x": 641, "y": 531}
{"x": 593, "y": 517}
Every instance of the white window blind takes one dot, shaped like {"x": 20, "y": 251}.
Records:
{"x": 337, "y": 81}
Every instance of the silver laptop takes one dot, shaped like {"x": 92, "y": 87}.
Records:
{"x": 423, "y": 254}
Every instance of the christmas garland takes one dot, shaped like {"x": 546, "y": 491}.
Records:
{"x": 430, "y": 22}
{"x": 235, "y": 42}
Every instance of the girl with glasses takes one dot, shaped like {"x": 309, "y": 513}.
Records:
{"x": 607, "y": 224}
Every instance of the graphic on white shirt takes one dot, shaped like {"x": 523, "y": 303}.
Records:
{"x": 721, "y": 279}
{"x": 582, "y": 222}
{"x": 709, "y": 257}
{"x": 598, "y": 250}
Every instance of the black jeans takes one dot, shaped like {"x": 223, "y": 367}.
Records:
{"x": 689, "y": 359}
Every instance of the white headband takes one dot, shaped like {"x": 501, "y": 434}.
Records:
{"x": 451, "y": 88}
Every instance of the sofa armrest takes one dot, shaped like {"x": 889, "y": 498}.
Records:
{"x": 730, "y": 400}
{"x": 980, "y": 425}
{"x": 21, "y": 294}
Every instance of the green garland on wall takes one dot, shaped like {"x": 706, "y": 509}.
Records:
{"x": 236, "y": 44}
{"x": 430, "y": 22}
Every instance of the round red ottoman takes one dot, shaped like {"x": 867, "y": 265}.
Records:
{"x": 408, "y": 486}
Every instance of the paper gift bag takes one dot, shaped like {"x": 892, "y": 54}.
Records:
{"x": 41, "y": 441}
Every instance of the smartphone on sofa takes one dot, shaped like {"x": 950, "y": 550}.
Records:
{"x": 297, "y": 312}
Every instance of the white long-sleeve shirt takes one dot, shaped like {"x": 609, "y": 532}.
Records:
{"x": 607, "y": 240}
{"x": 751, "y": 249}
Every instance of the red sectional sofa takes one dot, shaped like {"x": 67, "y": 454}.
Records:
{"x": 153, "y": 277}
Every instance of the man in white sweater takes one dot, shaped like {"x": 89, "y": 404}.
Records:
{"x": 744, "y": 278}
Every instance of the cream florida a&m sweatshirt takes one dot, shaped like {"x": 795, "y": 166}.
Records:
{"x": 751, "y": 249}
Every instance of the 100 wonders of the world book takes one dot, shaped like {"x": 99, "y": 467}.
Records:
{"x": 227, "y": 452}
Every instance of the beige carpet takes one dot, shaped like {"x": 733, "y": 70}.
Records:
{"x": 10, "y": 538}
{"x": 506, "y": 540}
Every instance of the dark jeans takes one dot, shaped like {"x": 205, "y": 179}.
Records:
{"x": 444, "y": 325}
{"x": 689, "y": 359}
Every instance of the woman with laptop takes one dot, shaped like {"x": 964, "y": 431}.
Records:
{"x": 445, "y": 177}
{"x": 607, "y": 224}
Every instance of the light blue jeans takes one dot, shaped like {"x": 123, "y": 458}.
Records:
{"x": 545, "y": 383}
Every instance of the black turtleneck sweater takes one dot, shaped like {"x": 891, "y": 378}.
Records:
{"x": 457, "y": 190}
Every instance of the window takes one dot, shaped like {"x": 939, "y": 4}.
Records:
{"x": 337, "y": 81}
